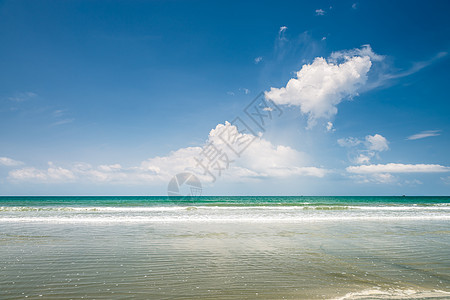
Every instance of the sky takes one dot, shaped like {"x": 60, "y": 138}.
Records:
{"x": 249, "y": 97}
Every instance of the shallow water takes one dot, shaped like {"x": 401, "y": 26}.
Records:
{"x": 297, "y": 250}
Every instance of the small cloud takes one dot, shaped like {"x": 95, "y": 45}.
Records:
{"x": 21, "y": 97}
{"x": 398, "y": 168}
{"x": 372, "y": 145}
{"x": 383, "y": 178}
{"x": 376, "y": 142}
{"x": 446, "y": 180}
{"x": 349, "y": 142}
{"x": 441, "y": 54}
{"x": 59, "y": 112}
{"x": 110, "y": 168}
{"x": 281, "y": 33}
{"x": 52, "y": 174}
{"x": 61, "y": 122}
{"x": 354, "y": 5}
{"x": 240, "y": 90}
{"x": 324, "y": 38}
{"x": 320, "y": 12}
{"x": 246, "y": 91}
{"x": 258, "y": 59}
{"x": 330, "y": 127}
{"x": 424, "y": 134}
{"x": 413, "y": 182}
{"x": 9, "y": 162}
{"x": 384, "y": 78}
{"x": 362, "y": 159}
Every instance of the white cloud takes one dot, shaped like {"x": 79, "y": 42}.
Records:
{"x": 64, "y": 121}
{"x": 376, "y": 142}
{"x": 320, "y": 12}
{"x": 362, "y": 159}
{"x": 413, "y": 182}
{"x": 398, "y": 168}
{"x": 60, "y": 115}
{"x": 260, "y": 160}
{"x": 446, "y": 180}
{"x": 424, "y": 134}
{"x": 281, "y": 33}
{"x": 9, "y": 162}
{"x": 258, "y": 59}
{"x": 243, "y": 90}
{"x": 263, "y": 159}
{"x": 246, "y": 91}
{"x": 20, "y": 97}
{"x": 417, "y": 66}
{"x": 27, "y": 174}
{"x": 58, "y": 173}
{"x": 59, "y": 112}
{"x": 372, "y": 145}
{"x": 349, "y": 142}
{"x": 155, "y": 170}
{"x": 365, "y": 50}
{"x": 384, "y": 77}
{"x": 52, "y": 174}
{"x": 319, "y": 87}
{"x": 382, "y": 178}
{"x": 110, "y": 168}
{"x": 330, "y": 126}
{"x": 164, "y": 167}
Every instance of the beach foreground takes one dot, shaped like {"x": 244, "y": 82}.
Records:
{"x": 228, "y": 248}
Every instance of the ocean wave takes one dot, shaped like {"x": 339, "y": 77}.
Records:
{"x": 93, "y": 209}
{"x": 377, "y": 293}
{"x": 215, "y": 219}
{"x": 401, "y": 207}
{"x": 182, "y": 208}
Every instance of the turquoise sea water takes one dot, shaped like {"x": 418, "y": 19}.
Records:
{"x": 225, "y": 247}
{"x": 219, "y": 209}
{"x": 221, "y": 200}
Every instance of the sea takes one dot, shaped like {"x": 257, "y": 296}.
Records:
{"x": 217, "y": 247}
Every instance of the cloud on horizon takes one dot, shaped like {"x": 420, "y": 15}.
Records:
{"x": 261, "y": 160}
{"x": 9, "y": 162}
{"x": 398, "y": 168}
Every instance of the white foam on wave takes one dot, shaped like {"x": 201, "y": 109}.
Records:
{"x": 377, "y": 293}
{"x": 181, "y": 208}
{"x": 215, "y": 219}
{"x": 401, "y": 207}
{"x": 93, "y": 208}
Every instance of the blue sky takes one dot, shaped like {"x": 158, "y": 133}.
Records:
{"x": 116, "y": 97}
